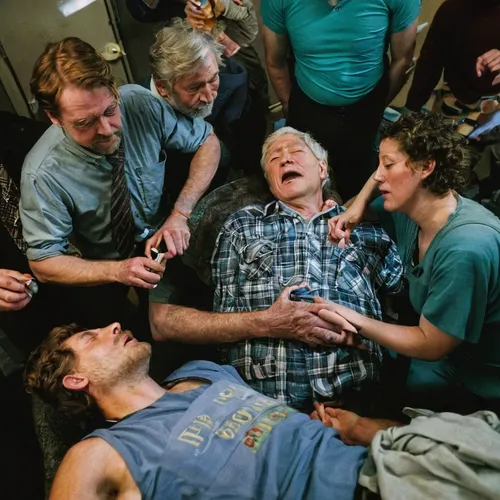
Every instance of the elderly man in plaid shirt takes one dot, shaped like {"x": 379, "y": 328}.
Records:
{"x": 280, "y": 347}
{"x": 263, "y": 249}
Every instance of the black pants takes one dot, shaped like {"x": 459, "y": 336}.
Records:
{"x": 348, "y": 133}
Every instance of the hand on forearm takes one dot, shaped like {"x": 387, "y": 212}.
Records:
{"x": 201, "y": 172}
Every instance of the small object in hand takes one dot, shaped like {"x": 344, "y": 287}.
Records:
{"x": 156, "y": 255}
{"x": 31, "y": 285}
{"x": 302, "y": 295}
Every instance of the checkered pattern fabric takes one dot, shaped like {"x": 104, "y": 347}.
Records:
{"x": 261, "y": 250}
{"x": 9, "y": 209}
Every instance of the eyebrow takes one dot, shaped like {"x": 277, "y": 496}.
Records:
{"x": 203, "y": 82}
{"x": 89, "y": 119}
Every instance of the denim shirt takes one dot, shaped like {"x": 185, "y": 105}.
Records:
{"x": 66, "y": 189}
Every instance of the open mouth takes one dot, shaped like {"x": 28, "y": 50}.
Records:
{"x": 289, "y": 176}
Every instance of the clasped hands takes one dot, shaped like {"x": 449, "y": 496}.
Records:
{"x": 322, "y": 323}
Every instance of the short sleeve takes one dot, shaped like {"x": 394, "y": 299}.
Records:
{"x": 188, "y": 134}
{"x": 403, "y": 14}
{"x": 148, "y": 114}
{"x": 46, "y": 221}
{"x": 273, "y": 15}
{"x": 462, "y": 277}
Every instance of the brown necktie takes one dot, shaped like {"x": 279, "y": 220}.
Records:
{"x": 122, "y": 221}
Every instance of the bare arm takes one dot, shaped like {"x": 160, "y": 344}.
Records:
{"x": 402, "y": 50}
{"x": 276, "y": 47}
{"x": 284, "y": 319}
{"x": 201, "y": 172}
{"x": 175, "y": 231}
{"x": 93, "y": 470}
{"x": 424, "y": 341}
{"x": 69, "y": 270}
{"x": 353, "y": 429}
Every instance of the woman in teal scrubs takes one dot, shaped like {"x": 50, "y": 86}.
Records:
{"x": 450, "y": 247}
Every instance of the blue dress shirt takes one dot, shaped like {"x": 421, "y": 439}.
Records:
{"x": 66, "y": 189}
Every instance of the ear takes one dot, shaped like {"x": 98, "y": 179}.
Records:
{"x": 427, "y": 168}
{"x": 323, "y": 170}
{"x": 75, "y": 382}
{"x": 53, "y": 119}
{"x": 160, "y": 86}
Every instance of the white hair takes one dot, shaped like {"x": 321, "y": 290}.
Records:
{"x": 316, "y": 148}
{"x": 181, "y": 51}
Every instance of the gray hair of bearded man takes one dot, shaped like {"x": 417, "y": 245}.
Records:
{"x": 181, "y": 51}
{"x": 316, "y": 148}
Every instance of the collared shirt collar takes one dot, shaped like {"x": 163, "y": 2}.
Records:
{"x": 277, "y": 206}
{"x": 153, "y": 88}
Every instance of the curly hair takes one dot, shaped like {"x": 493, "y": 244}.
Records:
{"x": 69, "y": 62}
{"x": 428, "y": 136}
{"x": 46, "y": 368}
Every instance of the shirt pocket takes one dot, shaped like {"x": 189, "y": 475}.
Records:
{"x": 351, "y": 274}
{"x": 151, "y": 179}
{"x": 257, "y": 259}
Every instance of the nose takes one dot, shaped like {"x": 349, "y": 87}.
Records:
{"x": 207, "y": 94}
{"x": 379, "y": 174}
{"x": 104, "y": 127}
{"x": 285, "y": 156}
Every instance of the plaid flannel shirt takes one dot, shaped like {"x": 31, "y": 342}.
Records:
{"x": 259, "y": 251}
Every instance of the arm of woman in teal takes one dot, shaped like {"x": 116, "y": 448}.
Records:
{"x": 455, "y": 302}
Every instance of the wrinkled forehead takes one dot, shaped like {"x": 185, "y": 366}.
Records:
{"x": 285, "y": 141}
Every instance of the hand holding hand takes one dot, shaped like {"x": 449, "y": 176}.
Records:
{"x": 175, "y": 233}
{"x": 139, "y": 271}
{"x": 490, "y": 61}
{"x": 299, "y": 321}
{"x": 13, "y": 293}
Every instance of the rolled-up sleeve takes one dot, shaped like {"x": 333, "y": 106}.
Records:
{"x": 187, "y": 134}
{"x": 46, "y": 221}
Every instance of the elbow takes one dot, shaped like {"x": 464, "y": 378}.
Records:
{"x": 39, "y": 271}
{"x": 157, "y": 320}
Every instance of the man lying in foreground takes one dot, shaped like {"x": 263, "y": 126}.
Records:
{"x": 204, "y": 434}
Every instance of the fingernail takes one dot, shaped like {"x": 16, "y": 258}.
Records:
{"x": 155, "y": 286}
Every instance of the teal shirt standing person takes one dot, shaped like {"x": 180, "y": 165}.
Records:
{"x": 450, "y": 247}
{"x": 339, "y": 51}
{"x": 342, "y": 79}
